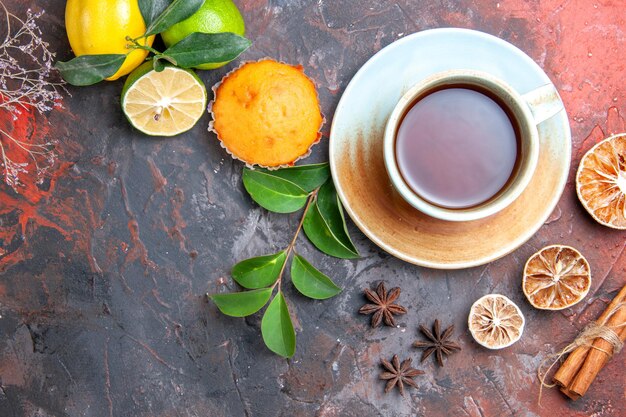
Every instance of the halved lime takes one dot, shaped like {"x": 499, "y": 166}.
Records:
{"x": 163, "y": 103}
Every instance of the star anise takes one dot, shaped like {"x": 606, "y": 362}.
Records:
{"x": 383, "y": 307}
{"x": 397, "y": 374}
{"x": 438, "y": 342}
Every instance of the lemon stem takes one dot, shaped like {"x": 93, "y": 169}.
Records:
{"x": 137, "y": 45}
{"x": 137, "y": 38}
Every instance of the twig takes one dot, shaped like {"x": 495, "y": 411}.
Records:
{"x": 289, "y": 249}
{"x": 27, "y": 80}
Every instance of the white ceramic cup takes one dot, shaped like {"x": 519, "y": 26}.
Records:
{"x": 529, "y": 110}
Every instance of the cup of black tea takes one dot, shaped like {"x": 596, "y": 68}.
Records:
{"x": 462, "y": 145}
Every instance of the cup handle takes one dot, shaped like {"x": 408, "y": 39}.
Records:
{"x": 544, "y": 102}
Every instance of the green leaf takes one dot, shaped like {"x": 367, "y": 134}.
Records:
{"x": 331, "y": 210}
{"x": 320, "y": 234}
{"x": 241, "y": 304}
{"x": 311, "y": 282}
{"x": 325, "y": 225}
{"x": 177, "y": 11}
{"x": 207, "y": 48}
{"x": 90, "y": 69}
{"x": 273, "y": 193}
{"x": 276, "y": 328}
{"x": 307, "y": 177}
{"x": 157, "y": 65}
{"x": 259, "y": 272}
{"x": 151, "y": 9}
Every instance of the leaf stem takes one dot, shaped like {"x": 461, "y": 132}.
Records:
{"x": 137, "y": 38}
{"x": 312, "y": 197}
{"x": 292, "y": 244}
{"x": 137, "y": 45}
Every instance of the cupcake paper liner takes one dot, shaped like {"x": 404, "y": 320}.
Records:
{"x": 253, "y": 165}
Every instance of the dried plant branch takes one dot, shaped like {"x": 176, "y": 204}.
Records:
{"x": 27, "y": 81}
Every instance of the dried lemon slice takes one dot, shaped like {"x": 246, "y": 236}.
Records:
{"x": 601, "y": 181}
{"x": 556, "y": 277}
{"x": 495, "y": 322}
{"x": 266, "y": 113}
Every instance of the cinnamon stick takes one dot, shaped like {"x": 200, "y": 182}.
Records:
{"x": 598, "y": 356}
{"x": 572, "y": 395}
{"x": 568, "y": 370}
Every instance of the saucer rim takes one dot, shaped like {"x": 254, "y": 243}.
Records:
{"x": 494, "y": 255}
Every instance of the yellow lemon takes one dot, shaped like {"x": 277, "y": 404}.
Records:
{"x": 101, "y": 27}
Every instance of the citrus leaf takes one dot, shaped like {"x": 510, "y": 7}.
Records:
{"x": 151, "y": 9}
{"x": 332, "y": 212}
{"x": 276, "y": 328}
{"x": 307, "y": 177}
{"x": 241, "y": 304}
{"x": 207, "y": 48}
{"x": 177, "y": 11}
{"x": 259, "y": 272}
{"x": 90, "y": 69}
{"x": 311, "y": 282}
{"x": 273, "y": 193}
{"x": 157, "y": 65}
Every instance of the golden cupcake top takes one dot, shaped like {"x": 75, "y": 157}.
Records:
{"x": 267, "y": 113}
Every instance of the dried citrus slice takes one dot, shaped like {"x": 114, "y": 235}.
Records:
{"x": 495, "y": 322}
{"x": 556, "y": 277}
{"x": 163, "y": 103}
{"x": 267, "y": 113}
{"x": 601, "y": 181}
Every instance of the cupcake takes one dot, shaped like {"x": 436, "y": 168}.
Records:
{"x": 266, "y": 113}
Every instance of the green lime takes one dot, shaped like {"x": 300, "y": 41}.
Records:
{"x": 214, "y": 16}
{"x": 163, "y": 103}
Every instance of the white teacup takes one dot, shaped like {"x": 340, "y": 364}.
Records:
{"x": 528, "y": 110}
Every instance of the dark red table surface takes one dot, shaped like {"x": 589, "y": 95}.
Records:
{"x": 104, "y": 268}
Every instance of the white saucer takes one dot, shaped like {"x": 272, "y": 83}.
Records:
{"x": 362, "y": 182}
